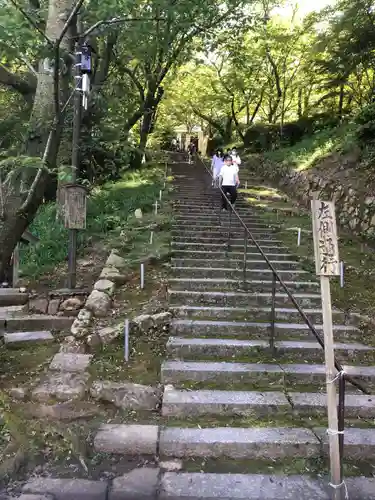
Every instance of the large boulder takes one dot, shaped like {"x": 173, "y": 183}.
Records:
{"x": 62, "y": 386}
{"x": 72, "y": 304}
{"x": 106, "y": 286}
{"x": 116, "y": 261}
{"x": 109, "y": 333}
{"x": 113, "y": 274}
{"x": 126, "y": 395}
{"x": 99, "y": 303}
{"x": 81, "y": 325}
{"x": 147, "y": 321}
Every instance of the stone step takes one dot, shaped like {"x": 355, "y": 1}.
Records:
{"x": 213, "y": 486}
{"x": 252, "y": 328}
{"x": 220, "y": 298}
{"x": 236, "y": 235}
{"x": 32, "y": 322}
{"x": 259, "y": 443}
{"x": 184, "y": 272}
{"x": 12, "y": 297}
{"x": 182, "y": 403}
{"x": 127, "y": 439}
{"x": 12, "y": 310}
{"x": 234, "y": 263}
{"x": 261, "y": 314}
{"x": 214, "y": 219}
{"x": 212, "y": 284}
{"x": 198, "y": 226}
{"x": 300, "y": 351}
{"x": 253, "y": 374}
{"x": 223, "y": 238}
{"x": 213, "y": 206}
{"x": 215, "y": 254}
{"x": 269, "y": 247}
{"x": 70, "y": 362}
{"x": 66, "y": 489}
{"x": 17, "y": 339}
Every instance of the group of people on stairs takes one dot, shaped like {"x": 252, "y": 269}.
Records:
{"x": 225, "y": 170}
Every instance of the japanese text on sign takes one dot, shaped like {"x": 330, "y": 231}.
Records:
{"x": 75, "y": 207}
{"x": 325, "y": 238}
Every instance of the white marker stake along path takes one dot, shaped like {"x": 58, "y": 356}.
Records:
{"x": 342, "y": 274}
{"x": 142, "y": 276}
{"x": 126, "y": 340}
{"x": 327, "y": 265}
{"x": 299, "y": 237}
{"x": 156, "y": 207}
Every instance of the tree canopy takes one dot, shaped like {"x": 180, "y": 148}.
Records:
{"x": 229, "y": 67}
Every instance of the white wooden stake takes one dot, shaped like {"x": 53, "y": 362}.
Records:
{"x": 342, "y": 274}
{"x": 246, "y": 185}
{"x": 156, "y": 207}
{"x": 160, "y": 194}
{"x": 331, "y": 373}
{"x": 299, "y": 237}
{"x": 142, "y": 276}
{"x": 151, "y": 237}
{"x": 126, "y": 340}
{"x": 328, "y": 264}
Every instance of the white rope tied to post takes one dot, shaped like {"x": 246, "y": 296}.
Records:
{"x": 337, "y": 486}
{"x": 340, "y": 374}
{"x": 333, "y": 432}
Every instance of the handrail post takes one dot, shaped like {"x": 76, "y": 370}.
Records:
{"x": 273, "y": 314}
{"x": 244, "y": 259}
{"x": 230, "y": 225}
{"x": 341, "y": 420}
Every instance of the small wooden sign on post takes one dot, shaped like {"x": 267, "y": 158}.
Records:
{"x": 74, "y": 219}
{"x": 75, "y": 206}
{"x": 328, "y": 264}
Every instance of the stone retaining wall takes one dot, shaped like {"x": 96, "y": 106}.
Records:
{"x": 355, "y": 209}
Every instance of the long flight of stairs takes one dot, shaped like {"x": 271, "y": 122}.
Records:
{"x": 228, "y": 400}
{"x": 239, "y": 421}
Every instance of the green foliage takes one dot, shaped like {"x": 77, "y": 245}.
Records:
{"x": 365, "y": 132}
{"x": 307, "y": 152}
{"x": 108, "y": 212}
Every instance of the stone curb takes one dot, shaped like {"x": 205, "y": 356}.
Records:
{"x": 67, "y": 377}
{"x": 148, "y": 483}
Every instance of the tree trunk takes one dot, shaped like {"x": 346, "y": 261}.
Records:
{"x": 299, "y": 104}
{"x": 341, "y": 102}
{"x": 17, "y": 214}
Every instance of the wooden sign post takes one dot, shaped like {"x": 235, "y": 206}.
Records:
{"x": 327, "y": 265}
{"x": 75, "y": 219}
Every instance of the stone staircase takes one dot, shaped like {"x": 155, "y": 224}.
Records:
{"x": 239, "y": 421}
{"x": 20, "y": 326}
{"x": 227, "y": 398}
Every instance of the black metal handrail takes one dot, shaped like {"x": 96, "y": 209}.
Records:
{"x": 277, "y": 277}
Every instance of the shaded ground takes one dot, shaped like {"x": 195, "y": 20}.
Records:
{"x": 44, "y": 439}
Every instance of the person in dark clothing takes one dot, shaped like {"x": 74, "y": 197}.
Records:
{"x": 229, "y": 181}
{"x": 192, "y": 149}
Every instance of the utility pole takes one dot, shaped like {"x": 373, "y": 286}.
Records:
{"x": 72, "y": 249}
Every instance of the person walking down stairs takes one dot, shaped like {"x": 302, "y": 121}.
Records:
{"x": 229, "y": 182}
{"x": 216, "y": 165}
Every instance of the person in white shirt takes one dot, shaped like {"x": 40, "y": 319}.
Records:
{"x": 236, "y": 159}
{"x": 229, "y": 182}
{"x": 216, "y": 165}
